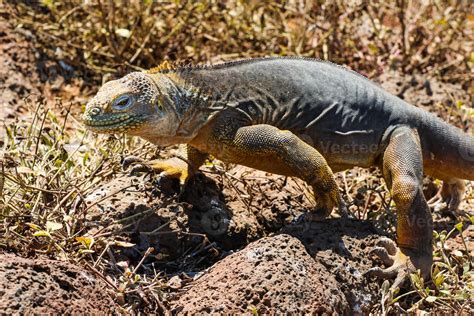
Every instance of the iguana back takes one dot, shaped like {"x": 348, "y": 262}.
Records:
{"x": 338, "y": 111}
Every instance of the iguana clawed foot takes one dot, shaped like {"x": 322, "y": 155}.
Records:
{"x": 175, "y": 168}
{"x": 401, "y": 262}
{"x": 324, "y": 207}
{"x": 448, "y": 198}
{"x": 139, "y": 165}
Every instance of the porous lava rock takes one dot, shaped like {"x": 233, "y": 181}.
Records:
{"x": 270, "y": 276}
{"x": 43, "y": 286}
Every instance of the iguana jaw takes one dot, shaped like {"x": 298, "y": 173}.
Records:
{"x": 113, "y": 122}
{"x": 138, "y": 125}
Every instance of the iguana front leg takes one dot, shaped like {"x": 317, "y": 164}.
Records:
{"x": 403, "y": 172}
{"x": 270, "y": 149}
{"x": 181, "y": 167}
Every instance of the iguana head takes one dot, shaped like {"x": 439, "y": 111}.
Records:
{"x": 139, "y": 104}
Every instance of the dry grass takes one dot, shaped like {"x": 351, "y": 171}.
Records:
{"x": 99, "y": 37}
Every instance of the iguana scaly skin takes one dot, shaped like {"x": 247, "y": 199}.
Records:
{"x": 296, "y": 117}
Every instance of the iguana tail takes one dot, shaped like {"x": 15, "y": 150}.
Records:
{"x": 447, "y": 151}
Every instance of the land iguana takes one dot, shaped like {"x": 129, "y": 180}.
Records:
{"x": 296, "y": 117}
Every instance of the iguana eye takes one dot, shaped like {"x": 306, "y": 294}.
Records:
{"x": 123, "y": 102}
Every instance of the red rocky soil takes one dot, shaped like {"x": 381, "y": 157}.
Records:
{"x": 42, "y": 286}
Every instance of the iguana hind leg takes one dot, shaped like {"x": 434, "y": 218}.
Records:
{"x": 180, "y": 167}
{"x": 403, "y": 172}
{"x": 270, "y": 149}
{"x": 449, "y": 196}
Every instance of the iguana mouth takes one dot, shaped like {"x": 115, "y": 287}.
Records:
{"x": 107, "y": 123}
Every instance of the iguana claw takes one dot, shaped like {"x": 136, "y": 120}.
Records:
{"x": 140, "y": 168}
{"x": 139, "y": 165}
{"x": 401, "y": 262}
{"x": 167, "y": 168}
{"x": 127, "y": 161}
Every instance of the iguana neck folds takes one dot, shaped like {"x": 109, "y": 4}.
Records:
{"x": 186, "y": 109}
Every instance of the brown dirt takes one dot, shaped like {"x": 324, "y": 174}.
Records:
{"x": 28, "y": 76}
{"x": 232, "y": 216}
{"x": 439, "y": 98}
{"x": 37, "y": 286}
{"x": 457, "y": 242}
{"x": 16, "y": 64}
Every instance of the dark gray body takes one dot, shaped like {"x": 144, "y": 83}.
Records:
{"x": 339, "y": 112}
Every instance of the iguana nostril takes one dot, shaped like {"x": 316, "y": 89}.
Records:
{"x": 94, "y": 111}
